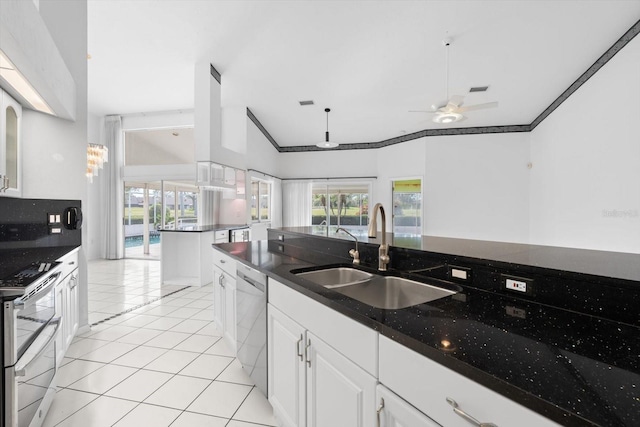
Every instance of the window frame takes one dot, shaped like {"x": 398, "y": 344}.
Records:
{"x": 259, "y": 196}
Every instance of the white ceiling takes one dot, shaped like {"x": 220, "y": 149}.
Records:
{"x": 369, "y": 61}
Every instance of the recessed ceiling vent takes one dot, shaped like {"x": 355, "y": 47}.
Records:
{"x": 303, "y": 103}
{"x": 479, "y": 89}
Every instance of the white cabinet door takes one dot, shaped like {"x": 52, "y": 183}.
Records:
{"x": 286, "y": 368}
{"x": 224, "y": 304}
{"x": 218, "y": 298}
{"x": 339, "y": 392}
{"x": 10, "y": 146}
{"x": 61, "y": 302}
{"x": 230, "y": 310}
{"x": 71, "y": 312}
{"x": 393, "y": 411}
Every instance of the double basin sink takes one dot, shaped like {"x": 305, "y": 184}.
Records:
{"x": 387, "y": 292}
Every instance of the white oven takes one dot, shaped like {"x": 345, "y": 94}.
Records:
{"x": 29, "y": 352}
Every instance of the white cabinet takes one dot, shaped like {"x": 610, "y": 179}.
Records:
{"x": 224, "y": 296}
{"x": 311, "y": 383}
{"x": 286, "y": 368}
{"x": 431, "y": 388}
{"x": 67, "y": 303}
{"x": 10, "y": 146}
{"x": 393, "y": 411}
{"x": 221, "y": 236}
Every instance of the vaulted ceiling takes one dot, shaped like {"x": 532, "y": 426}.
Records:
{"x": 369, "y": 61}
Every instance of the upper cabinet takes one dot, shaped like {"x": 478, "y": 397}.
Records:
{"x": 10, "y": 153}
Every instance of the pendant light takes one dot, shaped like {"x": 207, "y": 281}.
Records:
{"x": 326, "y": 143}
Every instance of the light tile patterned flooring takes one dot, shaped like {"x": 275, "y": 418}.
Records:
{"x": 161, "y": 364}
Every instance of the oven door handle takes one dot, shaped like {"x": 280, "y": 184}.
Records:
{"x": 19, "y": 303}
{"x": 22, "y": 368}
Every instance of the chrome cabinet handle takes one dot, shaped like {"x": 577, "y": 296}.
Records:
{"x": 460, "y": 412}
{"x": 300, "y": 355}
{"x": 380, "y": 408}
{"x": 221, "y": 279}
{"x": 306, "y": 352}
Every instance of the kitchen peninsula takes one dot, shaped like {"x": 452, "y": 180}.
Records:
{"x": 185, "y": 253}
{"x": 565, "y": 348}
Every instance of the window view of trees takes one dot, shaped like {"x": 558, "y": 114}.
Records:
{"x": 343, "y": 205}
{"x": 407, "y": 207}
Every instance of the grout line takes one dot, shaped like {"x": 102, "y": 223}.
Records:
{"x": 128, "y": 310}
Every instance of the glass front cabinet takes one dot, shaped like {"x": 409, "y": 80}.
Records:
{"x": 10, "y": 134}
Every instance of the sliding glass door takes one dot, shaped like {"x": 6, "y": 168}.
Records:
{"x": 142, "y": 216}
{"x": 150, "y": 206}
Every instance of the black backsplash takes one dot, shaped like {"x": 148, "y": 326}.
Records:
{"x": 24, "y": 223}
{"x": 610, "y": 298}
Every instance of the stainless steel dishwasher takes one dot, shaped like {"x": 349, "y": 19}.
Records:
{"x": 251, "y": 322}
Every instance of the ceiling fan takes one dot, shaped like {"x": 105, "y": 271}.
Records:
{"x": 451, "y": 110}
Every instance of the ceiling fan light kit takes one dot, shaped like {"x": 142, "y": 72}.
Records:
{"x": 446, "y": 118}
{"x": 327, "y": 143}
{"x": 451, "y": 110}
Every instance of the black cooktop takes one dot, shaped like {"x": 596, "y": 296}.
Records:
{"x": 27, "y": 275}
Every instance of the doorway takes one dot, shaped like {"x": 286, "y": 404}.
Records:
{"x": 407, "y": 207}
{"x": 142, "y": 217}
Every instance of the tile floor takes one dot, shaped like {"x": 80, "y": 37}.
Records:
{"x": 162, "y": 363}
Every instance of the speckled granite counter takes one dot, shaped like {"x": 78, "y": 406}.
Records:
{"x": 574, "y": 368}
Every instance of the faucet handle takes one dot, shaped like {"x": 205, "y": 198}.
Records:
{"x": 355, "y": 255}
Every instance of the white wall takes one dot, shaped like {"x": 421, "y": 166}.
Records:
{"x": 54, "y": 150}
{"x": 261, "y": 154}
{"x": 476, "y": 187}
{"x": 585, "y": 180}
{"x": 326, "y": 164}
{"x": 93, "y": 208}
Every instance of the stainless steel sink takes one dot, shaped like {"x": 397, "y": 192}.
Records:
{"x": 336, "y": 277}
{"x": 377, "y": 291}
{"x": 393, "y": 292}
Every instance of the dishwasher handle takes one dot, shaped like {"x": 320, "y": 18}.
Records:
{"x": 256, "y": 284}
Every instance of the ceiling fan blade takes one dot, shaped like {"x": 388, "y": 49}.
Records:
{"x": 456, "y": 100}
{"x": 478, "y": 106}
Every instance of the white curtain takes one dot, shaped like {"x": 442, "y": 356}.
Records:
{"x": 296, "y": 203}
{"x": 113, "y": 190}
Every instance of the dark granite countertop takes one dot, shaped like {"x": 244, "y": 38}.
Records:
{"x": 617, "y": 265}
{"x": 12, "y": 260}
{"x": 573, "y": 368}
{"x": 205, "y": 228}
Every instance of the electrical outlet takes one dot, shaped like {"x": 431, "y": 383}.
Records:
{"x": 462, "y": 274}
{"x": 516, "y": 285}
{"x": 521, "y": 285}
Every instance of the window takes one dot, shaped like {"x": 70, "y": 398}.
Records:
{"x": 341, "y": 204}
{"x": 260, "y": 200}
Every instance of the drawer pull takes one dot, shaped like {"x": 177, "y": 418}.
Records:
{"x": 380, "y": 408}
{"x": 298, "y": 349}
{"x": 466, "y": 416}
{"x": 306, "y": 352}
{"x": 223, "y": 261}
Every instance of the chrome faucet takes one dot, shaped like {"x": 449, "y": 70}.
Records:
{"x": 353, "y": 252}
{"x": 383, "y": 251}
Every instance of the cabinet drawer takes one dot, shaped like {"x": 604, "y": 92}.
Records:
{"x": 225, "y": 262}
{"x": 221, "y": 236}
{"x": 354, "y": 340}
{"x": 426, "y": 385}
{"x": 69, "y": 262}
